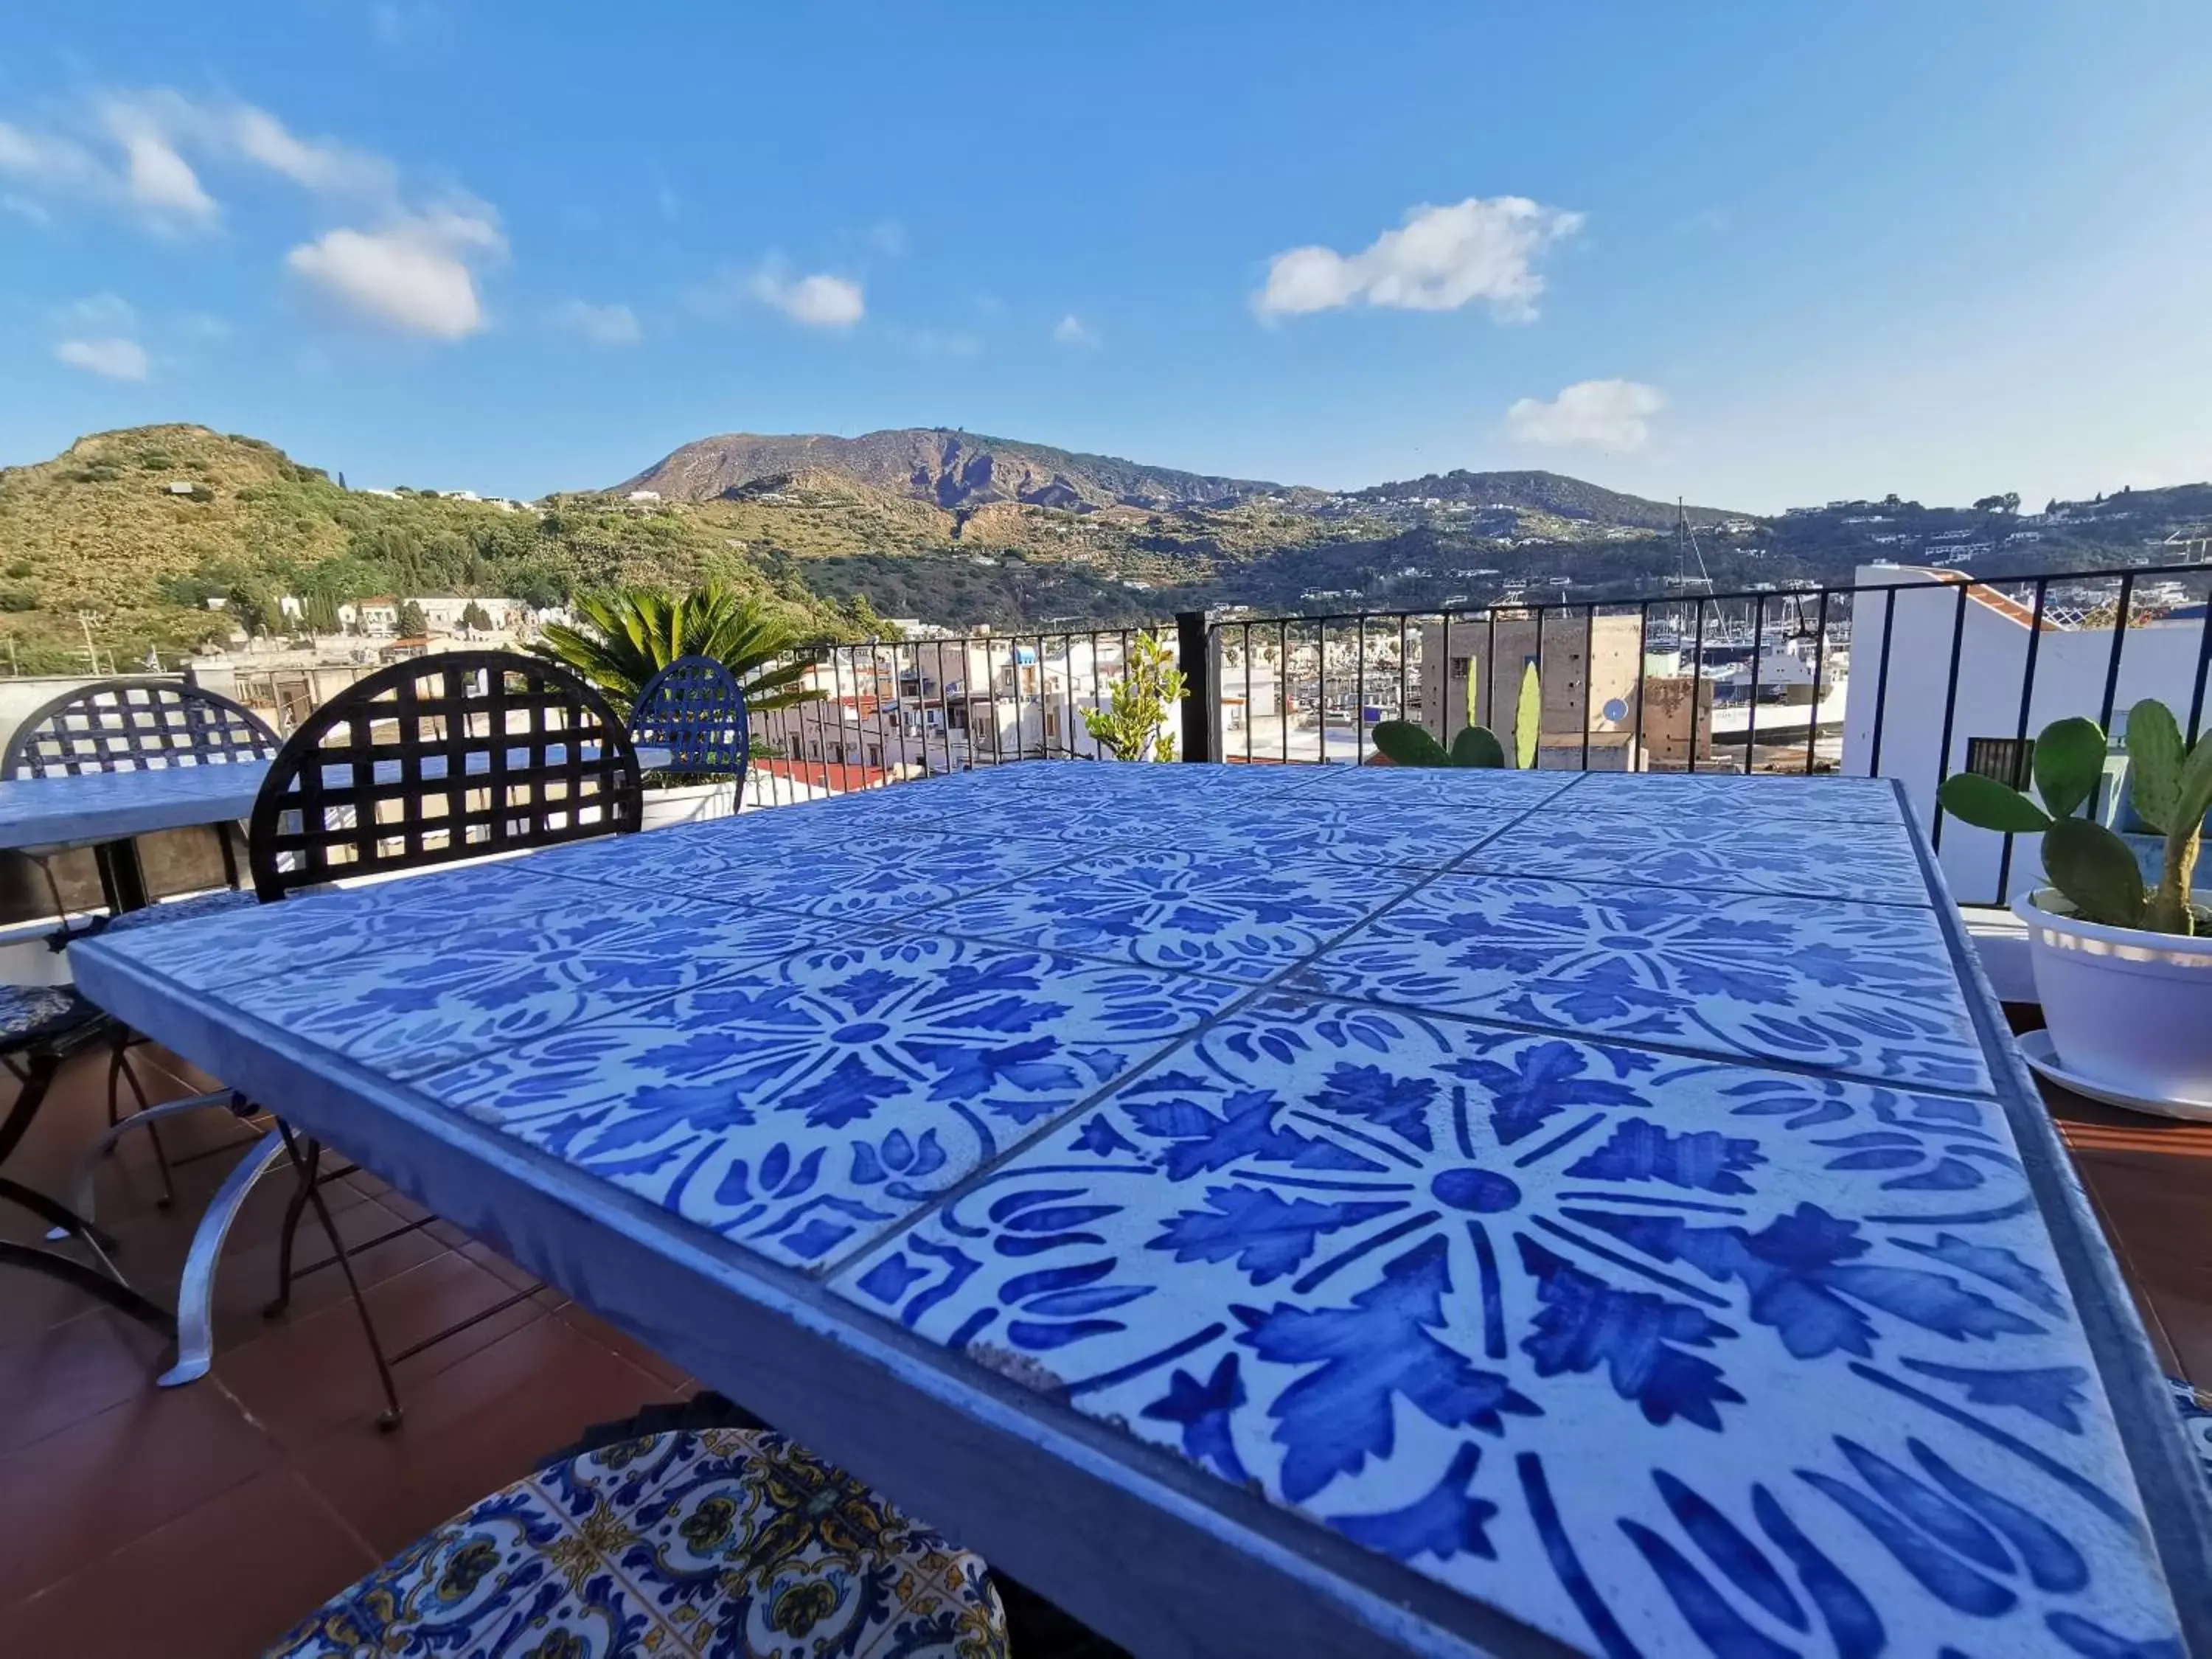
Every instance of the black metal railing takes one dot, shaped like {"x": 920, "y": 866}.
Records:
{"x": 882, "y": 711}
{"x": 1913, "y": 674}
{"x": 1905, "y": 676}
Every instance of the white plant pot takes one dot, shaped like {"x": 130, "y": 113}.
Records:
{"x": 687, "y": 803}
{"x": 2128, "y": 1009}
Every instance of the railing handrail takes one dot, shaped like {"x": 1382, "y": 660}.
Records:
{"x": 1942, "y": 578}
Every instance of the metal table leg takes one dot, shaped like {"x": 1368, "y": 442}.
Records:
{"x": 122, "y": 878}
{"x": 196, "y": 1293}
{"x": 80, "y": 1190}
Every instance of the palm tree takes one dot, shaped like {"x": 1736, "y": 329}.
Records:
{"x": 632, "y": 633}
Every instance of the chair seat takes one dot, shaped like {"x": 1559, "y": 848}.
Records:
{"x": 28, "y": 1012}
{"x": 183, "y": 909}
{"x": 724, "y": 1541}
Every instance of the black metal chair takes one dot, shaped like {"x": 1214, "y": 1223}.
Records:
{"x": 116, "y": 726}
{"x": 695, "y": 709}
{"x": 460, "y": 755}
{"x": 39, "y": 1027}
{"x": 437, "y": 760}
{"x": 127, "y": 725}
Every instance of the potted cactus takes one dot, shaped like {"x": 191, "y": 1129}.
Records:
{"x": 2123, "y": 968}
{"x": 1404, "y": 744}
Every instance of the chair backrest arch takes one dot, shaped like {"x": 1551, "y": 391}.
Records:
{"x": 694, "y": 708}
{"x": 440, "y": 758}
{"x": 133, "y": 724}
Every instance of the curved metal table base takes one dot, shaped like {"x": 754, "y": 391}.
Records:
{"x": 196, "y": 1292}
{"x": 80, "y": 1188}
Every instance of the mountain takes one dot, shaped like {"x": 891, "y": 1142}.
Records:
{"x": 133, "y": 531}
{"x": 136, "y": 530}
{"x": 948, "y": 468}
{"x": 1551, "y": 492}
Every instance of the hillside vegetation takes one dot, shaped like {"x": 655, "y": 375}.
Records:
{"x": 98, "y": 530}
{"x": 946, "y": 526}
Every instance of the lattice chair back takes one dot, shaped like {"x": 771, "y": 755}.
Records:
{"x": 127, "y": 725}
{"x": 440, "y": 758}
{"x": 695, "y": 709}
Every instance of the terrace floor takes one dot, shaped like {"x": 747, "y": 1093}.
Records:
{"x": 204, "y": 1521}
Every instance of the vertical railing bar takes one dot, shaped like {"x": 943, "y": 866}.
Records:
{"x": 1636, "y": 762}
{"x": 1536, "y": 760}
{"x": 2203, "y": 661}
{"x": 1819, "y": 669}
{"x": 1488, "y": 669}
{"x": 2020, "y": 733}
{"x": 1881, "y": 680}
{"x": 2119, "y": 644}
{"x": 1359, "y": 697}
{"x": 1696, "y": 680}
{"x": 1443, "y": 681}
{"x": 1950, "y": 709}
{"x": 1320, "y": 667}
{"x": 1044, "y": 745}
{"x": 1248, "y": 694}
{"x": 1751, "y": 711}
{"x": 1589, "y": 674}
{"x": 1405, "y": 661}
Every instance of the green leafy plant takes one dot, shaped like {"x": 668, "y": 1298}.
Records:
{"x": 630, "y": 635}
{"x": 1130, "y": 727}
{"x": 1404, "y": 744}
{"x": 2091, "y": 867}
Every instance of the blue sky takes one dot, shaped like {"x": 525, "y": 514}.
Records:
{"x": 1749, "y": 253}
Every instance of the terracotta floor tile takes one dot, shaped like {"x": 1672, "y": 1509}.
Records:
{"x": 2146, "y": 1310}
{"x": 473, "y": 1428}
{"x": 2185, "y": 1312}
{"x": 52, "y": 1378}
{"x": 309, "y": 1375}
{"x": 221, "y": 1582}
{"x": 247, "y": 1279}
{"x": 88, "y": 1489}
{"x": 623, "y": 1346}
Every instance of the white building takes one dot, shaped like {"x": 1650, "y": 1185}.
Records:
{"x": 945, "y": 705}
{"x": 2157, "y": 659}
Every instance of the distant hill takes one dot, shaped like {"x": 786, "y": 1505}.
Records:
{"x": 946, "y": 468}
{"x": 1551, "y": 492}
{"x": 138, "y": 529}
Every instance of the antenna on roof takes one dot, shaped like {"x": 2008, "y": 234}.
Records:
{"x": 1687, "y": 550}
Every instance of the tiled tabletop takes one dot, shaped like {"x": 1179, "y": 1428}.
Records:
{"x": 1589, "y": 1201}
{"x": 75, "y": 809}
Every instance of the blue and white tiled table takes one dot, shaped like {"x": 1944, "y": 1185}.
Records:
{"x": 1283, "y": 1210}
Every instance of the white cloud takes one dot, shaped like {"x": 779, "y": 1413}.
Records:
{"x": 600, "y": 325}
{"x": 818, "y": 301}
{"x": 154, "y": 176}
{"x": 1588, "y": 415}
{"x": 43, "y": 161}
{"x": 323, "y": 166}
{"x": 97, "y": 313}
{"x": 116, "y": 358}
{"x": 1072, "y": 331}
{"x": 147, "y": 150}
{"x": 1441, "y": 258}
{"x": 412, "y": 275}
